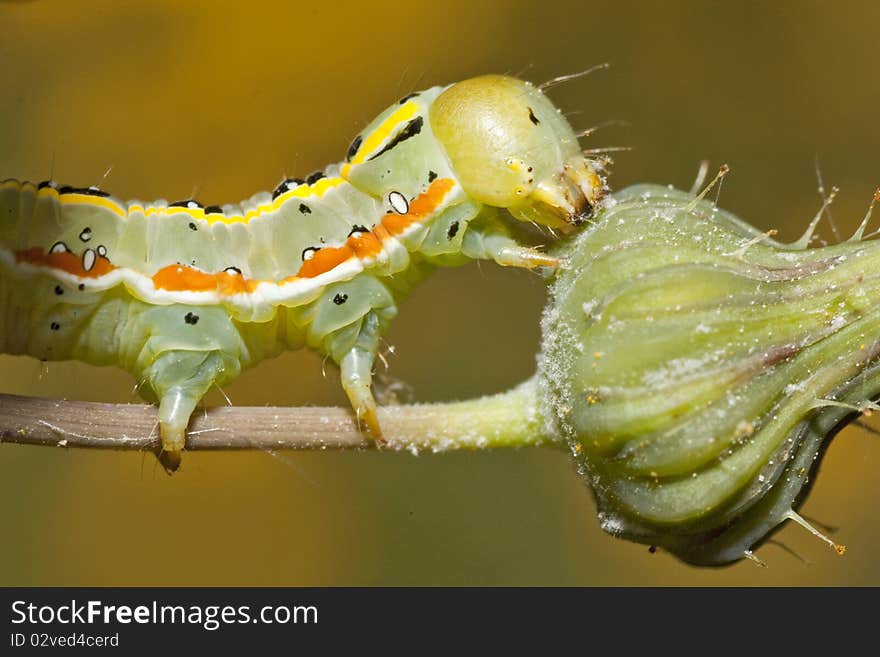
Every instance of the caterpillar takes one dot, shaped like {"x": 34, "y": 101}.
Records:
{"x": 185, "y": 296}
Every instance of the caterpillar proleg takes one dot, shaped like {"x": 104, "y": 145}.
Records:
{"x": 185, "y": 296}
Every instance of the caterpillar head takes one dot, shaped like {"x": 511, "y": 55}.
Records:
{"x": 511, "y": 148}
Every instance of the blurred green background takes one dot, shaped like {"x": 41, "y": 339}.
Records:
{"x": 225, "y": 97}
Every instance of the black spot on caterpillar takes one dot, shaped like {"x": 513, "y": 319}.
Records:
{"x": 407, "y": 97}
{"x": 340, "y": 299}
{"x": 453, "y": 230}
{"x": 312, "y": 178}
{"x": 54, "y": 326}
{"x": 86, "y": 234}
{"x": 412, "y": 128}
{"x": 213, "y": 209}
{"x": 191, "y": 318}
{"x": 192, "y": 204}
{"x": 353, "y": 148}
{"x": 88, "y": 191}
{"x": 305, "y": 209}
{"x": 532, "y": 117}
{"x": 59, "y": 290}
{"x": 286, "y": 185}
{"x": 192, "y": 226}
{"x": 432, "y": 176}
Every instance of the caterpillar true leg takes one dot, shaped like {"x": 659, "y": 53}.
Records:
{"x": 487, "y": 238}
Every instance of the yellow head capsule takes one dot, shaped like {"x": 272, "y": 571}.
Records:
{"x": 511, "y": 148}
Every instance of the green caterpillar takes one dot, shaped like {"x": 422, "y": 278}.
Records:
{"x": 185, "y": 296}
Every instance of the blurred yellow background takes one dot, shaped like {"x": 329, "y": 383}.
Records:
{"x": 223, "y": 98}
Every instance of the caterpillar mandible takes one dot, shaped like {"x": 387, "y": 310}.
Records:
{"x": 185, "y": 296}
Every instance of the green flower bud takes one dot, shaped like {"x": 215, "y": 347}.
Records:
{"x": 696, "y": 368}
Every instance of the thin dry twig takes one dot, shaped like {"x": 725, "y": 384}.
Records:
{"x": 496, "y": 421}
{"x": 34, "y": 421}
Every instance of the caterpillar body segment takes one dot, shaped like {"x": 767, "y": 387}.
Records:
{"x": 185, "y": 296}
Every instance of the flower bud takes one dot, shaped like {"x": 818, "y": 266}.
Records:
{"x": 696, "y": 368}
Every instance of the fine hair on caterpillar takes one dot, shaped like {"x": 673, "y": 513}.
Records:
{"x": 185, "y": 296}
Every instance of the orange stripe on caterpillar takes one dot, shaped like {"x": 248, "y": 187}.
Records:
{"x": 181, "y": 278}
{"x": 421, "y": 206}
{"x": 369, "y": 244}
{"x": 324, "y": 260}
{"x": 68, "y": 262}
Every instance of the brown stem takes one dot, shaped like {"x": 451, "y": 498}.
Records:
{"x": 506, "y": 420}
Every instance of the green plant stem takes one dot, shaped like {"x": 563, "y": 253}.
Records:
{"x": 510, "y": 419}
